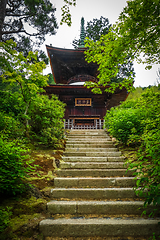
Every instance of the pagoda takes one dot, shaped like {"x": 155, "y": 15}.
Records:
{"x": 84, "y": 109}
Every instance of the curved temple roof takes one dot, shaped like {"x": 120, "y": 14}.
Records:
{"x": 67, "y": 63}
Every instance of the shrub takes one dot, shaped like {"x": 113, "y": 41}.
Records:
{"x": 123, "y": 123}
{"x": 46, "y": 120}
{"x": 138, "y": 120}
{"x": 10, "y": 126}
{"x": 10, "y": 103}
{"x": 12, "y": 169}
{"x": 148, "y": 166}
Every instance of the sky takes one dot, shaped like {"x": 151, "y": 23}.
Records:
{"x": 90, "y": 9}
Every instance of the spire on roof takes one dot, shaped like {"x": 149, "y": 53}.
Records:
{"x": 82, "y": 35}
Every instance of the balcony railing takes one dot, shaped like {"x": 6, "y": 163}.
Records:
{"x": 69, "y": 124}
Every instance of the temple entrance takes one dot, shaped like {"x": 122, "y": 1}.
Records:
{"x": 89, "y": 122}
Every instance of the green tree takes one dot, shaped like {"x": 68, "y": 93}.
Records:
{"x": 27, "y": 22}
{"x": 139, "y": 26}
{"x": 16, "y": 16}
{"x": 66, "y": 15}
{"x": 25, "y": 72}
{"x": 51, "y": 79}
{"x": 136, "y": 33}
{"x": 94, "y": 30}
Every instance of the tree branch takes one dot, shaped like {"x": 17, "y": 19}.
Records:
{"x": 3, "y": 4}
{"x": 15, "y": 15}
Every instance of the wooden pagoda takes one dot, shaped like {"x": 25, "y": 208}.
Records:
{"x": 84, "y": 109}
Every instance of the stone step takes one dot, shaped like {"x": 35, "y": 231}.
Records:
{"x": 88, "y": 133}
{"x": 94, "y": 159}
{"x": 93, "y": 193}
{"x": 99, "y": 227}
{"x": 94, "y": 137}
{"x": 97, "y": 207}
{"x": 89, "y": 145}
{"x": 90, "y": 141}
{"x": 93, "y": 154}
{"x": 77, "y": 150}
{"x": 84, "y": 182}
{"x": 92, "y": 165}
{"x": 94, "y": 173}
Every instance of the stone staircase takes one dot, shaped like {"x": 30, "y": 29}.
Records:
{"x": 93, "y": 196}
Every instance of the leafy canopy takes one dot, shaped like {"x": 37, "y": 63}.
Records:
{"x": 24, "y": 72}
{"x": 66, "y": 15}
{"x": 36, "y": 116}
{"x": 136, "y": 34}
{"x": 27, "y": 22}
{"x": 27, "y": 17}
{"x": 94, "y": 30}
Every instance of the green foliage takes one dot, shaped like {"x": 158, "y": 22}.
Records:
{"x": 46, "y": 120}
{"x": 26, "y": 72}
{"x": 10, "y": 126}
{"x": 12, "y": 169}
{"x": 27, "y": 23}
{"x": 51, "y": 79}
{"x": 5, "y": 214}
{"x": 9, "y": 102}
{"x": 115, "y": 69}
{"x": 148, "y": 166}
{"x": 94, "y": 30}
{"x": 25, "y": 115}
{"x": 139, "y": 26}
{"x": 124, "y": 123}
{"x": 66, "y": 15}
{"x": 136, "y": 33}
{"x": 38, "y": 14}
{"x": 42, "y": 116}
{"x": 137, "y": 121}
{"x": 11, "y": 123}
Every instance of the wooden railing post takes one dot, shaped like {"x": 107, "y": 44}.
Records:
{"x": 99, "y": 123}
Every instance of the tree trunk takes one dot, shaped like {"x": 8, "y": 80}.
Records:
{"x": 3, "y": 4}
{"x": 27, "y": 123}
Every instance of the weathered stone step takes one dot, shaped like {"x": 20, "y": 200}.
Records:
{"x": 90, "y": 141}
{"x": 93, "y": 154}
{"x": 89, "y": 133}
{"x": 99, "y": 227}
{"x": 90, "y": 145}
{"x": 77, "y": 150}
{"x": 95, "y": 137}
{"x": 93, "y": 193}
{"x": 94, "y": 159}
{"x": 93, "y": 173}
{"x": 97, "y": 207}
{"x": 92, "y": 165}
{"x": 82, "y": 182}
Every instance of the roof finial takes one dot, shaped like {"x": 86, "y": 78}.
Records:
{"x": 82, "y": 35}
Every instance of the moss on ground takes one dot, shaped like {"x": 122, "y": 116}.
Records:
{"x": 29, "y": 209}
